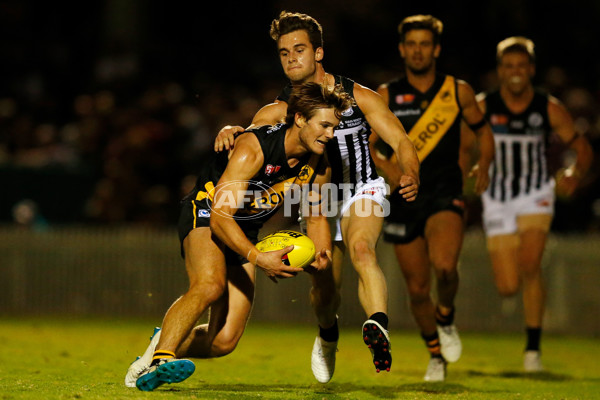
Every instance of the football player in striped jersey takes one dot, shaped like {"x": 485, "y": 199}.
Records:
{"x": 518, "y": 206}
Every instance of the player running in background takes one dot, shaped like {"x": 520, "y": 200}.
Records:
{"x": 218, "y": 230}
{"x": 428, "y": 233}
{"x": 300, "y": 45}
{"x": 518, "y": 206}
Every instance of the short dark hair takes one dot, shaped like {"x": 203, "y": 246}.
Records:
{"x": 290, "y": 22}
{"x": 427, "y": 22}
{"x": 308, "y": 97}
{"x": 515, "y": 44}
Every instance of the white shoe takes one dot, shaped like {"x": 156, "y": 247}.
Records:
{"x": 436, "y": 370}
{"x": 532, "y": 361}
{"x": 451, "y": 346}
{"x": 322, "y": 360}
{"x": 141, "y": 364}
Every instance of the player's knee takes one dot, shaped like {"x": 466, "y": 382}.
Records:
{"x": 445, "y": 269}
{"x": 362, "y": 252}
{"x": 419, "y": 292}
{"x": 323, "y": 280}
{"x": 507, "y": 289}
{"x": 321, "y": 297}
{"x": 208, "y": 290}
{"x": 224, "y": 343}
{"x": 531, "y": 272}
{"x": 530, "y": 264}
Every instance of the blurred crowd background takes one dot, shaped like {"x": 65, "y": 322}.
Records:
{"x": 107, "y": 108}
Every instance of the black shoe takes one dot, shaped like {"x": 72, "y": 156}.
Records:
{"x": 378, "y": 341}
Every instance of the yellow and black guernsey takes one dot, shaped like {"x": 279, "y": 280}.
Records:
{"x": 265, "y": 192}
{"x": 432, "y": 121}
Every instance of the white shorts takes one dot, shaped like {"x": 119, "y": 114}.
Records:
{"x": 500, "y": 218}
{"x": 375, "y": 190}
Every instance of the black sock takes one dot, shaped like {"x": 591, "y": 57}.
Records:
{"x": 444, "y": 320}
{"x": 381, "y": 319}
{"x": 330, "y": 334}
{"x": 533, "y": 338}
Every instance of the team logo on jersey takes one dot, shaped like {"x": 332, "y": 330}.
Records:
{"x": 203, "y": 213}
{"x": 269, "y": 169}
{"x": 348, "y": 112}
{"x": 498, "y": 119}
{"x": 446, "y": 96}
{"x": 405, "y": 98}
{"x": 535, "y": 120}
{"x": 305, "y": 173}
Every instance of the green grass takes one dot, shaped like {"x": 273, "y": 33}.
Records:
{"x": 74, "y": 359}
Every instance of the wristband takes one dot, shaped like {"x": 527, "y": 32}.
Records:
{"x": 248, "y": 256}
{"x": 478, "y": 125}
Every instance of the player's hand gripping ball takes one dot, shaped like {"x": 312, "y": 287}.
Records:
{"x": 304, "y": 248}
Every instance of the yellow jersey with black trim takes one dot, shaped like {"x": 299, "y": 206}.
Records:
{"x": 432, "y": 121}
{"x": 267, "y": 190}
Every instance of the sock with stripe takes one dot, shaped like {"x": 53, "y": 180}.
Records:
{"x": 444, "y": 319}
{"x": 161, "y": 355}
{"x": 432, "y": 342}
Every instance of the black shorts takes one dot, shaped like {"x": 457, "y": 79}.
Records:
{"x": 196, "y": 214}
{"x": 407, "y": 220}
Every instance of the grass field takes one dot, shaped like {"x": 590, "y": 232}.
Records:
{"x": 74, "y": 359}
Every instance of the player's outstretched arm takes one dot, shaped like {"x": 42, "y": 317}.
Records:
{"x": 245, "y": 162}
{"x": 391, "y": 131}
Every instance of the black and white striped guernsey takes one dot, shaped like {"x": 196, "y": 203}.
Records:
{"x": 520, "y": 164}
{"x": 348, "y": 152}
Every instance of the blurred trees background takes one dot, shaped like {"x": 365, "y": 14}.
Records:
{"x": 108, "y": 107}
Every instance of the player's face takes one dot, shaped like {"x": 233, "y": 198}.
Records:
{"x": 317, "y": 131}
{"x": 419, "y": 51}
{"x": 515, "y": 71}
{"x": 297, "y": 56}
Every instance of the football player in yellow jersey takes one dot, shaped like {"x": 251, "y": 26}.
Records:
{"x": 427, "y": 234}
{"x": 219, "y": 251}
